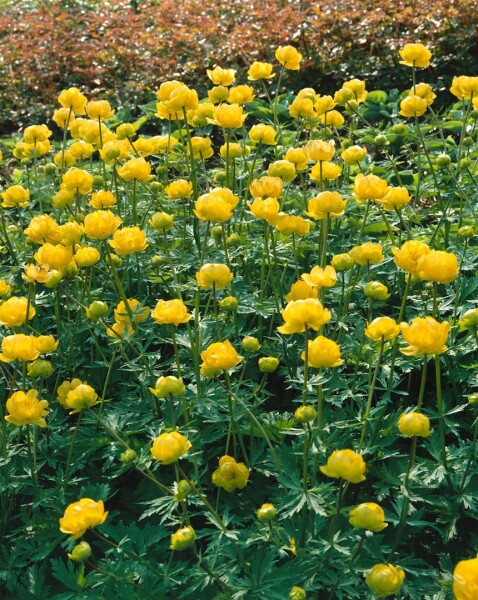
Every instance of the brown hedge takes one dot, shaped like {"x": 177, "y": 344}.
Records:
{"x": 116, "y": 52}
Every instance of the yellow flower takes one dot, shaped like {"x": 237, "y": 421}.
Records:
{"x": 229, "y": 116}
{"x": 267, "y": 512}
{"x": 74, "y": 99}
{"x": 322, "y": 352}
{"x": 300, "y": 314}
{"x": 200, "y": 115}
{"x": 139, "y": 312}
{"x": 5, "y": 288}
{"x": 70, "y": 233}
{"x": 64, "y": 158}
{"x": 425, "y": 91}
{"x": 63, "y": 116}
{"x": 300, "y": 290}
{"x": 395, "y": 198}
{"x": 325, "y": 170}
{"x": 283, "y": 169}
{"x": 219, "y": 356}
{"x": 425, "y": 336}
{"x": 437, "y": 265}
{"x": 168, "y": 386}
{"x": 465, "y": 579}
{"x": 86, "y": 256}
{"x": 235, "y": 151}
{"x": 181, "y": 188}
{"x": 319, "y": 277}
{"x": 80, "y": 516}
{"x": 211, "y": 207}
{"x": 241, "y": 94}
{"x": 382, "y": 329}
{"x": 214, "y": 274}
{"x": 120, "y": 330}
{"x": 326, "y": 204}
{"x": 263, "y": 134}
{"x": 302, "y": 107}
{"x": 77, "y": 180}
{"x": 202, "y": 147}
{"x": 323, "y": 104}
{"x": 414, "y": 423}
{"x": 469, "y": 320}
{"x": 46, "y": 344}
{"x": 15, "y": 195}
{"x": 26, "y": 408}
{"x": 169, "y": 447}
{"x": 99, "y": 109}
{"x": 216, "y": 95}
{"x": 100, "y": 225}
{"x": 266, "y": 209}
{"x": 102, "y": 199}
{"x": 376, "y": 290}
{"x": 36, "y": 133}
{"x": 129, "y": 240}
{"x": 65, "y": 388}
{"x": 367, "y": 254}
{"x": 43, "y": 229}
{"x": 291, "y": 224}
{"x": 413, "y": 106}
{"x": 268, "y": 364}
{"x": 171, "y": 312}
{"x": 353, "y": 155}
{"x": 260, "y": 70}
{"x": 53, "y": 256}
{"x": 464, "y": 87}
{"x": 266, "y": 187}
{"x": 96, "y": 310}
{"x": 144, "y": 146}
{"x": 135, "y": 168}
{"x": 345, "y": 464}
{"x": 19, "y": 347}
{"x": 408, "y": 255}
{"x": 230, "y": 475}
{"x": 385, "y": 580}
{"x": 415, "y": 55}
{"x": 161, "y": 221}
{"x": 357, "y": 87}
{"x": 226, "y": 195}
{"x": 81, "y": 150}
{"x": 332, "y": 118}
{"x": 82, "y": 396}
{"x": 289, "y": 57}
{"x": 319, "y": 150}
{"x": 297, "y": 157}
{"x": 13, "y": 312}
{"x": 183, "y": 538}
{"x": 115, "y": 150}
{"x": 221, "y": 76}
{"x": 369, "y": 187}
{"x": 34, "y": 273}
{"x": 369, "y": 516}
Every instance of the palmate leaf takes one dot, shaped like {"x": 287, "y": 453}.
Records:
{"x": 64, "y": 572}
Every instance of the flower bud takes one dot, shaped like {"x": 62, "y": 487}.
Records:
{"x": 116, "y": 261}
{"x": 80, "y": 552}
{"x": 473, "y": 399}
{"x": 369, "y": 516}
{"x": 183, "y": 490}
{"x": 466, "y": 232}
{"x": 465, "y": 163}
{"x": 267, "y": 512}
{"x": 54, "y": 279}
{"x": 183, "y": 538}
{"x": 342, "y": 262}
{"x": 128, "y": 456}
{"x": 50, "y": 169}
{"x": 161, "y": 221}
{"x": 233, "y": 240}
{"x": 268, "y": 364}
{"x": 385, "y": 580}
{"x": 217, "y": 232}
{"x": 376, "y": 290}
{"x": 229, "y": 303}
{"x": 156, "y": 186}
{"x": 305, "y": 414}
{"x": 297, "y": 593}
{"x": 98, "y": 181}
{"x": 468, "y": 141}
{"x": 380, "y": 140}
{"x": 168, "y": 386}
{"x": 414, "y": 424}
{"x": 399, "y": 129}
{"x": 156, "y": 261}
{"x": 96, "y": 310}
{"x": 250, "y": 344}
{"x": 40, "y": 368}
{"x": 443, "y": 160}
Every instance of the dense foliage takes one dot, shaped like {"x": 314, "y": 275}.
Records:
{"x": 239, "y": 355}
{"x": 109, "y": 49}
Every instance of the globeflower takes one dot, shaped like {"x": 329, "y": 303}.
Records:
{"x": 82, "y": 515}
{"x": 408, "y": 255}
{"x": 183, "y": 538}
{"x": 319, "y": 150}
{"x": 135, "y": 168}
{"x": 169, "y": 447}
{"x": 201, "y": 147}
{"x": 19, "y": 347}
{"x": 26, "y": 408}
{"x": 54, "y": 256}
{"x": 181, "y": 188}
{"x": 260, "y": 70}
{"x": 171, "y": 312}
{"x": 469, "y": 320}
{"x": 395, "y": 198}
{"x": 230, "y": 475}
{"x": 425, "y": 336}
{"x": 138, "y": 312}
{"x": 345, "y": 464}
{"x": 73, "y": 99}
{"x": 369, "y": 187}
{"x": 266, "y": 209}
{"x": 368, "y": 516}
{"x": 414, "y": 424}
{"x": 36, "y": 133}
{"x": 367, "y": 254}
{"x": 325, "y": 171}
{"x": 291, "y": 224}
{"x": 229, "y": 116}
{"x": 376, "y": 290}
{"x": 46, "y": 344}
{"x": 80, "y": 397}
{"x": 326, "y": 205}
{"x": 168, "y": 386}
{"x": 263, "y": 134}
{"x": 385, "y": 580}
{"x": 465, "y": 579}
{"x": 99, "y": 109}
{"x": 43, "y": 229}
{"x": 353, "y": 155}
{"x": 100, "y": 225}
{"x": 13, "y": 312}
{"x": 326, "y": 277}
{"x": 129, "y": 240}
{"x": 437, "y": 265}
{"x": 415, "y": 55}
{"x": 266, "y": 187}
{"x": 220, "y": 76}
{"x": 283, "y": 169}
{"x": 300, "y": 314}
{"x": 219, "y": 356}
{"x": 413, "y": 106}
{"x": 300, "y": 290}
{"x": 5, "y": 288}
{"x": 15, "y": 195}
{"x": 210, "y": 207}
{"x": 77, "y": 180}
{"x": 288, "y": 57}
{"x": 322, "y": 352}
{"x": 102, "y": 199}
{"x": 215, "y": 274}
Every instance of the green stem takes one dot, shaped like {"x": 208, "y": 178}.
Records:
{"x": 370, "y": 395}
